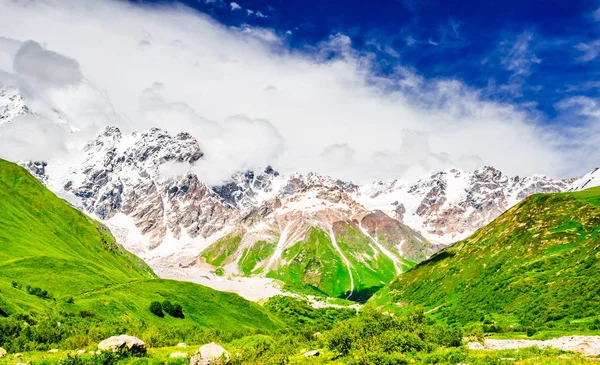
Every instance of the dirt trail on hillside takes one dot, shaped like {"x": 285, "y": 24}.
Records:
{"x": 586, "y": 345}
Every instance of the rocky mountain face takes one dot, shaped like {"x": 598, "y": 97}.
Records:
{"x": 450, "y": 205}
{"x": 120, "y": 181}
{"x": 311, "y": 232}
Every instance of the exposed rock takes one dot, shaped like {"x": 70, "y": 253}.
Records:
{"x": 53, "y": 351}
{"x": 2, "y": 352}
{"x": 475, "y": 346}
{"x": 123, "y": 342}
{"x": 18, "y": 354}
{"x": 179, "y": 354}
{"x": 79, "y": 352}
{"x": 586, "y": 345}
{"x": 311, "y": 353}
{"x": 210, "y": 354}
{"x": 181, "y": 344}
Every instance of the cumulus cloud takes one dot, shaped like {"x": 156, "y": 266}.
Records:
{"x": 46, "y": 66}
{"x": 235, "y": 6}
{"x": 250, "y": 101}
{"x": 32, "y": 137}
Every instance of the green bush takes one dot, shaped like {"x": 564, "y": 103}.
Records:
{"x": 157, "y": 309}
{"x": 174, "y": 310}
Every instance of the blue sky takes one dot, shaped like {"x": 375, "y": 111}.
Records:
{"x": 535, "y": 53}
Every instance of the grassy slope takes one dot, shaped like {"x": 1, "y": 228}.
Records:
{"x": 370, "y": 267}
{"x": 537, "y": 263}
{"x": 48, "y": 244}
{"x": 316, "y": 262}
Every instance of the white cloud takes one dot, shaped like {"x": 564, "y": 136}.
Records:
{"x": 259, "y": 14}
{"x": 590, "y": 50}
{"x": 518, "y": 56}
{"x": 46, "y": 67}
{"x": 235, "y": 6}
{"x": 290, "y": 107}
{"x": 32, "y": 137}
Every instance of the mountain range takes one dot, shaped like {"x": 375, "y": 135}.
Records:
{"x": 339, "y": 238}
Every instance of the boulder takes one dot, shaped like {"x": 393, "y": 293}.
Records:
{"x": 181, "y": 344}
{"x": 178, "y": 354}
{"x": 311, "y": 353}
{"x": 2, "y": 352}
{"x": 123, "y": 343}
{"x": 210, "y": 354}
{"x": 53, "y": 351}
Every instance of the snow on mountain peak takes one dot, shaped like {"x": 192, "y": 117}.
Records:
{"x": 450, "y": 205}
{"x": 589, "y": 180}
{"x": 12, "y": 104}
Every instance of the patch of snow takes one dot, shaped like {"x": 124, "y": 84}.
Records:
{"x": 589, "y": 180}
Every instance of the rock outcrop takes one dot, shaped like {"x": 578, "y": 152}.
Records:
{"x": 210, "y": 354}
{"x": 123, "y": 343}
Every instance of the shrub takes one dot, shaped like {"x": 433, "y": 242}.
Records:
{"x": 340, "y": 339}
{"x": 174, "y": 310}
{"x": 157, "y": 309}
{"x": 382, "y": 359}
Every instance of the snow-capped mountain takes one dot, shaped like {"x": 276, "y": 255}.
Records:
{"x": 12, "y": 104}
{"x": 120, "y": 181}
{"x": 450, "y": 205}
{"x": 340, "y": 238}
{"x": 312, "y": 232}
{"x": 589, "y": 180}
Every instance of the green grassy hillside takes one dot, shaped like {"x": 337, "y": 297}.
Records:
{"x": 536, "y": 265}
{"x": 316, "y": 262}
{"x": 56, "y": 262}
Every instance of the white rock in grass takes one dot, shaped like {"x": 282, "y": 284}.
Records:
{"x": 209, "y": 354}
{"x": 123, "y": 342}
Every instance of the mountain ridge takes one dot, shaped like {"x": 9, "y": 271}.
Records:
{"x": 175, "y": 221}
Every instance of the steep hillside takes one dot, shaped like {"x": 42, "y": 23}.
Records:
{"x": 537, "y": 262}
{"x": 55, "y": 259}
